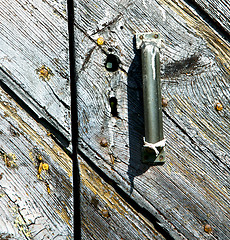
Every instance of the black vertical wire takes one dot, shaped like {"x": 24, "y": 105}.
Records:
{"x": 74, "y": 120}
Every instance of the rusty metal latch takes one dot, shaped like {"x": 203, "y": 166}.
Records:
{"x": 153, "y": 151}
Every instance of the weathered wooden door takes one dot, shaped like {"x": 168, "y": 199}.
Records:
{"x": 121, "y": 198}
{"x": 188, "y": 197}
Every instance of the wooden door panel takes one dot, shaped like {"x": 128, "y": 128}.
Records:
{"x": 36, "y": 192}
{"x": 183, "y": 194}
{"x": 34, "y": 55}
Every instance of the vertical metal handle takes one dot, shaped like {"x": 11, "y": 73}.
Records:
{"x": 153, "y": 150}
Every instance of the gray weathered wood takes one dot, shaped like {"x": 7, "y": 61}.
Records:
{"x": 106, "y": 215}
{"x": 34, "y": 54}
{"x": 218, "y": 10}
{"x": 192, "y": 188}
{"x": 33, "y": 205}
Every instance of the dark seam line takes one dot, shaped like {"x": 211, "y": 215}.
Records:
{"x": 209, "y": 19}
{"x": 57, "y": 135}
{"x": 74, "y": 120}
{"x": 153, "y": 219}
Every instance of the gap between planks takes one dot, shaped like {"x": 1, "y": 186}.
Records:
{"x": 150, "y": 217}
{"x": 208, "y": 19}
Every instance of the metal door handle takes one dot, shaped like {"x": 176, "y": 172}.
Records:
{"x": 153, "y": 151}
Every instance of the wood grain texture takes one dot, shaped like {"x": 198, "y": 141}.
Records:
{"x": 192, "y": 187}
{"x": 106, "y": 215}
{"x": 34, "y": 55}
{"x": 218, "y": 10}
{"x": 34, "y": 204}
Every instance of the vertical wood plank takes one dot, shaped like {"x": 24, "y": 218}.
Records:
{"x": 190, "y": 190}
{"x": 34, "y": 55}
{"x": 35, "y": 179}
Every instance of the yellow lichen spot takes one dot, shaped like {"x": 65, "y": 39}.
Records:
{"x": 39, "y": 157}
{"x": 39, "y": 177}
{"x": 218, "y": 106}
{"x": 100, "y": 41}
{"x": 40, "y": 168}
{"x": 9, "y": 160}
{"x": 48, "y": 188}
{"x": 49, "y": 133}
{"x": 44, "y": 72}
{"x": 45, "y": 166}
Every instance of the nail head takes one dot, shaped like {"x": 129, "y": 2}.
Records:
{"x": 100, "y": 41}
{"x": 164, "y": 102}
{"x": 218, "y": 106}
{"x": 105, "y": 213}
{"x": 103, "y": 142}
{"x": 207, "y": 228}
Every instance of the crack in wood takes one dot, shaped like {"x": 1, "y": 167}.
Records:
{"x": 57, "y": 135}
{"x": 74, "y": 119}
{"x": 209, "y": 20}
{"x": 87, "y": 58}
{"x": 22, "y": 227}
{"x": 110, "y": 23}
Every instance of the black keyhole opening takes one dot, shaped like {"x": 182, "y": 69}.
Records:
{"x": 113, "y": 105}
{"x": 112, "y": 63}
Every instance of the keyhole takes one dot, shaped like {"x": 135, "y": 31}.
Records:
{"x": 112, "y": 63}
{"x": 113, "y": 105}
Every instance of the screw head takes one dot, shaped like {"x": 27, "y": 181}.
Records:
{"x": 207, "y": 228}
{"x": 218, "y": 106}
{"x": 100, "y": 41}
{"x": 156, "y": 35}
{"x": 105, "y": 213}
{"x": 103, "y": 142}
{"x": 164, "y": 102}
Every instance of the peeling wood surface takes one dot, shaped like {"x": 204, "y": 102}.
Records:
{"x": 192, "y": 188}
{"x": 106, "y": 215}
{"x": 34, "y": 204}
{"x": 218, "y": 10}
{"x": 34, "y": 55}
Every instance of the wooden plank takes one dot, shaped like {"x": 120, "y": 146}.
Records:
{"x": 192, "y": 188}
{"x": 217, "y": 10}
{"x": 29, "y": 211}
{"x": 36, "y": 198}
{"x": 34, "y": 55}
{"x": 106, "y": 215}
